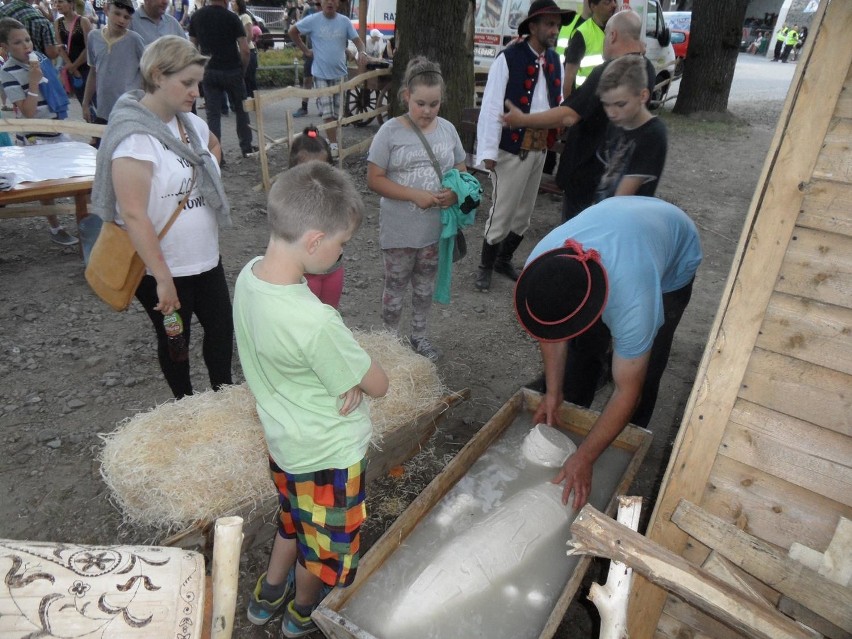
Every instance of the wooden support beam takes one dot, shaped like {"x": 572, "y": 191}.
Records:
{"x": 826, "y": 598}
{"x": 595, "y": 533}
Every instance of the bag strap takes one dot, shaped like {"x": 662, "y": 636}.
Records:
{"x": 428, "y": 148}
{"x": 71, "y": 32}
{"x": 183, "y": 202}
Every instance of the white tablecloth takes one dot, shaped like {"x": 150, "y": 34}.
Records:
{"x": 47, "y": 161}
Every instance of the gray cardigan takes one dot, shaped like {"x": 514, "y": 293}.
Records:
{"x": 129, "y": 117}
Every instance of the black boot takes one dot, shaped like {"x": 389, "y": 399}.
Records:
{"x": 503, "y": 265}
{"x": 486, "y": 265}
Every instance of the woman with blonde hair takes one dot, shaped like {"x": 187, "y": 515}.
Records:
{"x": 156, "y": 160}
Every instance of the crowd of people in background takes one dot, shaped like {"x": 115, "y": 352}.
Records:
{"x": 602, "y": 293}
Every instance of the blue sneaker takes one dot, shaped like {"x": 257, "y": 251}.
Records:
{"x": 294, "y": 624}
{"x": 301, "y": 113}
{"x": 259, "y": 610}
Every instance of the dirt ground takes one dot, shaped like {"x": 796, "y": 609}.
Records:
{"x": 71, "y": 368}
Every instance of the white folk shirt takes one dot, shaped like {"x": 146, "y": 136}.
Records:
{"x": 490, "y": 127}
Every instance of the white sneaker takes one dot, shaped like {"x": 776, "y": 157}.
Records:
{"x": 335, "y": 154}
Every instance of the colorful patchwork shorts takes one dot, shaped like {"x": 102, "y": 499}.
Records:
{"x": 324, "y": 511}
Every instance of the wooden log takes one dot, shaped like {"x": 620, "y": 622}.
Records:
{"x": 611, "y": 599}
{"x": 226, "y": 573}
{"x": 824, "y": 597}
{"x": 595, "y": 533}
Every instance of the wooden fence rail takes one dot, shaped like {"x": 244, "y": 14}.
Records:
{"x": 259, "y": 101}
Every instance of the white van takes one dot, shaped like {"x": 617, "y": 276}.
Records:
{"x": 381, "y": 15}
{"x": 497, "y": 25}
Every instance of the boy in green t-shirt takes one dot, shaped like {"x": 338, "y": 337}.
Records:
{"x": 308, "y": 375}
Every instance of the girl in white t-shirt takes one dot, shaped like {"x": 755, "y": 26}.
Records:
{"x": 184, "y": 269}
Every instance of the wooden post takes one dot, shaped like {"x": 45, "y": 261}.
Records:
{"x": 261, "y": 134}
{"x": 611, "y": 599}
{"x": 226, "y": 574}
{"x": 595, "y": 533}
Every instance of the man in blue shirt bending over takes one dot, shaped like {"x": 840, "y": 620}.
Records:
{"x": 620, "y": 273}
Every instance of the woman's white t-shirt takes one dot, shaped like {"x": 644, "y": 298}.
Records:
{"x": 191, "y": 245}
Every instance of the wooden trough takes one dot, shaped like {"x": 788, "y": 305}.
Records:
{"x": 396, "y": 447}
{"x": 636, "y": 441}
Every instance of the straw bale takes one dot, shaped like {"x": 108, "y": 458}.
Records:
{"x": 204, "y": 456}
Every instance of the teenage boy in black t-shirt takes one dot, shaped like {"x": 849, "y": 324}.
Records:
{"x": 634, "y": 151}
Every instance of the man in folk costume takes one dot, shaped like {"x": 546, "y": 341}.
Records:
{"x": 528, "y": 74}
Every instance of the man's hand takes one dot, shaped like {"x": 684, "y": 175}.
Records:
{"x": 513, "y": 117}
{"x": 490, "y": 164}
{"x": 576, "y": 472}
{"x": 548, "y": 410}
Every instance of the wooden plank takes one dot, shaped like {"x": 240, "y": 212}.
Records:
{"x": 71, "y": 127}
{"x": 835, "y": 160}
{"x": 812, "y": 620}
{"x": 799, "y": 389}
{"x": 799, "y": 452}
{"x": 823, "y": 596}
{"x": 771, "y": 508}
{"x": 675, "y": 624}
{"x": 717, "y": 565}
{"x": 597, "y": 534}
{"x": 818, "y": 266}
{"x": 811, "y": 101}
{"x": 844, "y": 103}
{"x": 807, "y": 330}
{"x": 826, "y": 207}
{"x": 837, "y": 560}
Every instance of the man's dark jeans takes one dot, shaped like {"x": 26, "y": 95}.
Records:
{"x": 215, "y": 84}
{"x": 588, "y": 353}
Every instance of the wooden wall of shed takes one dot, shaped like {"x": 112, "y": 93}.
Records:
{"x": 766, "y": 441}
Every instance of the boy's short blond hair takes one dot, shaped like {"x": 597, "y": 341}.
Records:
{"x": 628, "y": 71}
{"x": 314, "y": 196}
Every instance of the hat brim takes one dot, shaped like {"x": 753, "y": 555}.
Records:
{"x": 566, "y": 14}
{"x": 545, "y": 306}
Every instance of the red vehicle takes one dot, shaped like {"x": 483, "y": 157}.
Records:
{"x": 678, "y": 22}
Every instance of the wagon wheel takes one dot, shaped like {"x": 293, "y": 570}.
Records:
{"x": 360, "y": 100}
{"x": 381, "y": 100}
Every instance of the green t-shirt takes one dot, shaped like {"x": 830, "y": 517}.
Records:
{"x": 298, "y": 357}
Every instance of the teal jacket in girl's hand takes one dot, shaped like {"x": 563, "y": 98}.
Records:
{"x": 469, "y": 194}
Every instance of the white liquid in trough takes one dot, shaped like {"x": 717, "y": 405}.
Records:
{"x": 489, "y": 559}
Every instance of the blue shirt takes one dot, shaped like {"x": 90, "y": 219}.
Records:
{"x": 329, "y": 38}
{"x": 648, "y": 247}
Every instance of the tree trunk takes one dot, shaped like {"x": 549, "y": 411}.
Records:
{"x": 443, "y": 32}
{"x": 715, "y": 35}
